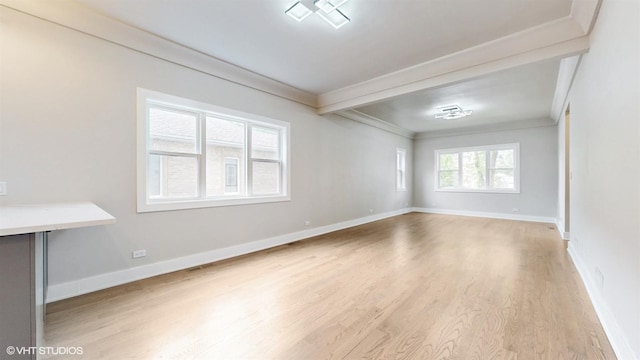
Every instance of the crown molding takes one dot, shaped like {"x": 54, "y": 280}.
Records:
{"x": 561, "y": 38}
{"x": 557, "y": 39}
{"x": 375, "y": 122}
{"x": 77, "y": 17}
{"x": 482, "y": 129}
{"x": 566, "y": 74}
{"x": 585, "y": 13}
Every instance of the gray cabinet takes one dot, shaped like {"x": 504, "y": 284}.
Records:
{"x": 20, "y": 285}
{"x": 23, "y": 268}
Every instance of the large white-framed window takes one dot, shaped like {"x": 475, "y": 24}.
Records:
{"x": 492, "y": 168}
{"x": 193, "y": 155}
{"x": 401, "y": 169}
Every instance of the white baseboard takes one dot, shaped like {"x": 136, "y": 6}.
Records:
{"x": 563, "y": 234}
{"x": 491, "y": 215}
{"x": 86, "y": 285}
{"x": 617, "y": 337}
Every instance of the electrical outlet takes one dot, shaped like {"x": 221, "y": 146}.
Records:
{"x": 139, "y": 253}
{"x": 515, "y": 210}
{"x": 371, "y": 211}
{"x": 3, "y": 188}
{"x": 307, "y": 222}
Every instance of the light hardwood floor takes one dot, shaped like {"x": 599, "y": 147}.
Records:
{"x": 416, "y": 286}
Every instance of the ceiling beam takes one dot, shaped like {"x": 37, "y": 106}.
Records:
{"x": 570, "y": 48}
{"x": 561, "y": 38}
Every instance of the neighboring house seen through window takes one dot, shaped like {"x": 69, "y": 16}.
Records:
{"x": 231, "y": 174}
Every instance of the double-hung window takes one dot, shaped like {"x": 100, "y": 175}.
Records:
{"x": 494, "y": 168}
{"x": 192, "y": 155}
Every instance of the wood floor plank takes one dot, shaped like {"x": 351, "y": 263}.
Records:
{"x": 416, "y": 286}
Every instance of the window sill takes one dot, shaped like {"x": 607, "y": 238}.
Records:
{"x": 160, "y": 205}
{"x": 488, "y": 191}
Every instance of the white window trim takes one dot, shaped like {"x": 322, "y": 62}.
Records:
{"x": 143, "y": 202}
{"x": 516, "y": 168}
{"x": 403, "y": 186}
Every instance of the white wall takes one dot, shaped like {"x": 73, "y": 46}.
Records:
{"x": 67, "y": 133}
{"x": 538, "y": 174}
{"x": 605, "y": 161}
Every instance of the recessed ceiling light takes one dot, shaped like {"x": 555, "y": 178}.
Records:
{"x": 450, "y": 112}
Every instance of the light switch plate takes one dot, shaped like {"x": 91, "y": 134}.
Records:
{"x": 3, "y": 188}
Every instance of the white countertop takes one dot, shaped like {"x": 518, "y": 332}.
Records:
{"x": 23, "y": 219}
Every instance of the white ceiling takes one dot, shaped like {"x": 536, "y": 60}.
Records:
{"x": 390, "y": 66}
{"x": 383, "y": 35}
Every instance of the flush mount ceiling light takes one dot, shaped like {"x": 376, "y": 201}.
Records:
{"x": 326, "y": 9}
{"x": 298, "y": 11}
{"x": 450, "y": 112}
{"x": 328, "y": 6}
